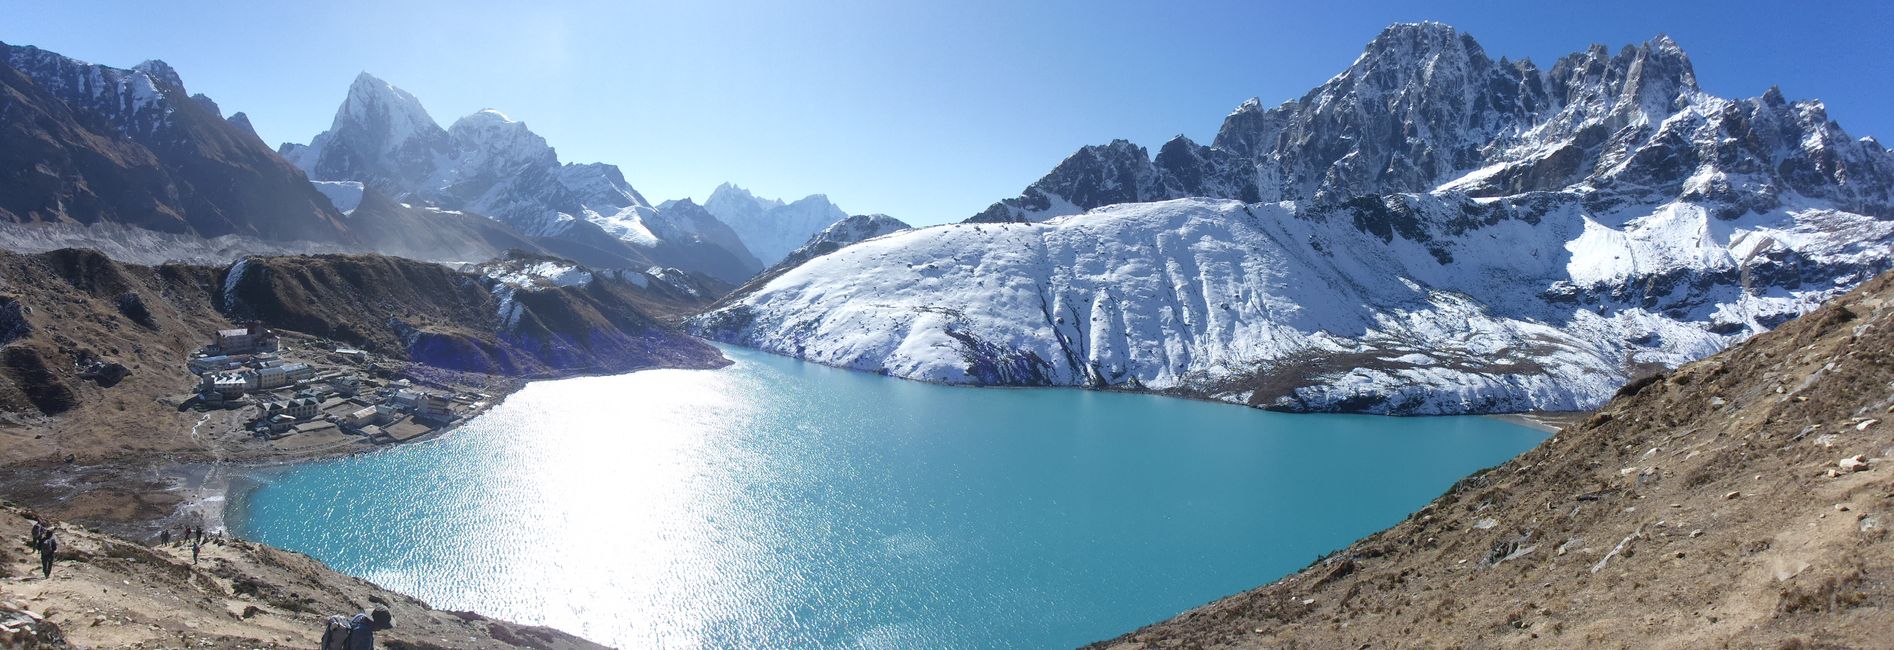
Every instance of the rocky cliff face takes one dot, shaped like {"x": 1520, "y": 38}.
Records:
{"x": 1425, "y": 109}
{"x": 1430, "y": 231}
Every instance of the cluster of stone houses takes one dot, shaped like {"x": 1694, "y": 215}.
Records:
{"x": 252, "y": 338}
{"x": 244, "y": 366}
{"x": 399, "y": 412}
{"x": 263, "y": 375}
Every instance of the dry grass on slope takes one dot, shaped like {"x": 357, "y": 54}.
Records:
{"x": 1703, "y": 508}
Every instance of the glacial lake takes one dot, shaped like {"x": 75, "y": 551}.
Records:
{"x": 783, "y": 504}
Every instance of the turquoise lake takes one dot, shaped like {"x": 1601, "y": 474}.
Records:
{"x": 783, "y": 504}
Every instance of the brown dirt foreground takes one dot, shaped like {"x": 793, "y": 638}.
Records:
{"x": 106, "y": 592}
{"x": 1700, "y": 509}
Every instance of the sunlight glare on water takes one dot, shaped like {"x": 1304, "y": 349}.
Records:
{"x": 783, "y": 504}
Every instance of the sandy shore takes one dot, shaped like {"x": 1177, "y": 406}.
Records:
{"x": 1547, "y": 421}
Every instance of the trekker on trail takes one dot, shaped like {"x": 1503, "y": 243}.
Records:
{"x": 356, "y": 633}
{"x": 39, "y": 532}
{"x": 195, "y": 546}
{"x": 48, "y": 545}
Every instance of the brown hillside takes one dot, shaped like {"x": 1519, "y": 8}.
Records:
{"x": 64, "y": 309}
{"x": 1700, "y": 509}
{"x": 106, "y": 592}
{"x": 177, "y": 168}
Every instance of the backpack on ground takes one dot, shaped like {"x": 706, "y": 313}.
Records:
{"x": 335, "y": 635}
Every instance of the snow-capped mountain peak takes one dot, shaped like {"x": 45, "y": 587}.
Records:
{"x": 161, "y": 72}
{"x": 489, "y": 163}
{"x": 390, "y": 114}
{"x": 770, "y": 228}
{"x": 491, "y": 142}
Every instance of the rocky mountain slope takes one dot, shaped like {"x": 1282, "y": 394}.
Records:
{"x": 89, "y": 143}
{"x": 489, "y": 164}
{"x": 697, "y": 239}
{"x": 524, "y": 317}
{"x": 64, "y": 313}
{"x": 1740, "y": 501}
{"x": 126, "y": 161}
{"x": 770, "y": 228}
{"x": 107, "y": 592}
{"x": 1515, "y": 247}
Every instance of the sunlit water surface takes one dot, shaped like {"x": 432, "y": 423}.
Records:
{"x": 778, "y": 503}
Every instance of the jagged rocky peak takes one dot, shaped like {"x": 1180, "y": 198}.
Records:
{"x": 730, "y": 198}
{"x": 372, "y": 102}
{"x": 1119, "y": 172}
{"x": 857, "y": 228}
{"x": 132, "y": 99}
{"x": 770, "y": 228}
{"x": 490, "y": 140}
{"x": 1657, "y": 70}
{"x": 381, "y": 136}
{"x": 600, "y": 185}
{"x": 1425, "y": 109}
{"x": 162, "y": 73}
{"x": 241, "y": 120}
{"x": 384, "y": 115}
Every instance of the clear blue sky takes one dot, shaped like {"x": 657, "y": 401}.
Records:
{"x": 926, "y": 111}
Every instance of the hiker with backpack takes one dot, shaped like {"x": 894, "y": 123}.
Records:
{"x": 48, "y": 545}
{"x": 356, "y": 633}
{"x": 196, "y": 544}
{"x": 39, "y": 533}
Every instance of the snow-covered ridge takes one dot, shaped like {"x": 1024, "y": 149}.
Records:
{"x": 540, "y": 274}
{"x": 134, "y": 99}
{"x": 1416, "y": 303}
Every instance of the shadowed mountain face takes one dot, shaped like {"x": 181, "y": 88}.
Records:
{"x": 1425, "y": 109}
{"x": 1431, "y": 231}
{"x": 85, "y": 144}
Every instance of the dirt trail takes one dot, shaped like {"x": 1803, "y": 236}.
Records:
{"x": 1720, "y": 505}
{"x": 106, "y": 592}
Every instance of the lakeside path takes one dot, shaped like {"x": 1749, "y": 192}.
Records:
{"x": 1548, "y": 422}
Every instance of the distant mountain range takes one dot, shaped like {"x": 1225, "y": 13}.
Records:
{"x": 771, "y": 228}
{"x": 1430, "y": 231}
{"x": 126, "y": 161}
{"x": 489, "y": 164}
